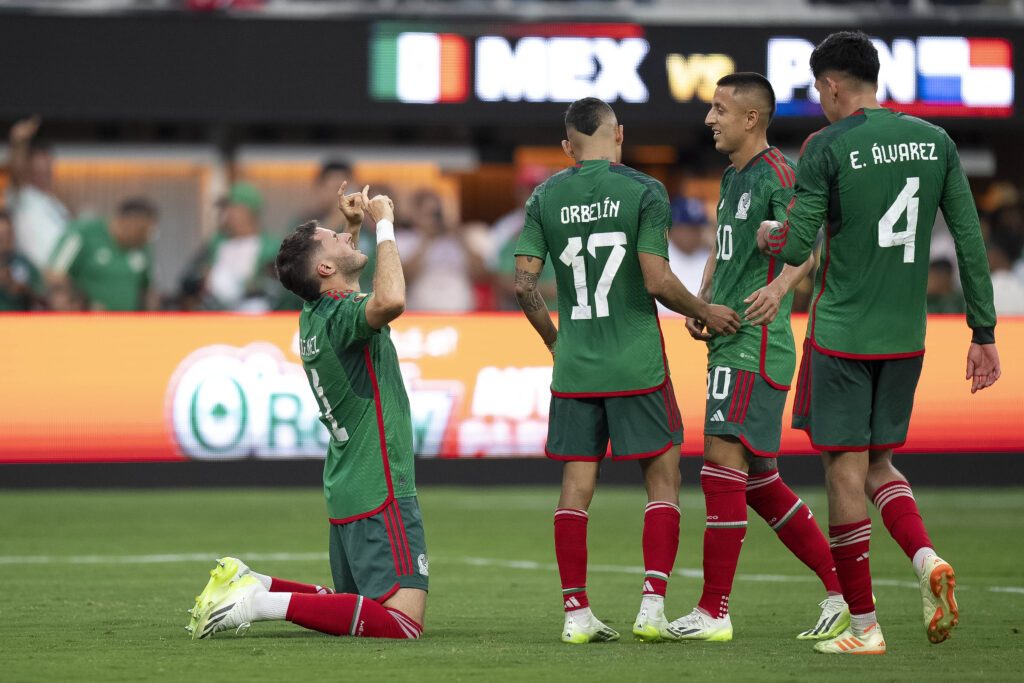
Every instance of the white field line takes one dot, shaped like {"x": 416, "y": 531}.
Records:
{"x": 473, "y": 561}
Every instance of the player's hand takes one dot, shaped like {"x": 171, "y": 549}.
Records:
{"x": 695, "y": 327}
{"x": 764, "y": 305}
{"x": 351, "y": 205}
{"x": 982, "y": 366}
{"x": 722, "y": 320}
{"x": 380, "y": 207}
{"x": 24, "y": 130}
{"x": 762, "y": 236}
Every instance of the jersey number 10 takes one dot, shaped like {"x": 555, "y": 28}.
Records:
{"x": 572, "y": 257}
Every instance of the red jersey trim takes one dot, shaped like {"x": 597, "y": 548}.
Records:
{"x": 804, "y": 146}
{"x": 761, "y": 454}
{"x": 824, "y": 273}
{"x": 790, "y": 173}
{"x": 886, "y": 446}
{"x": 764, "y": 340}
{"x": 383, "y": 447}
{"x": 586, "y": 458}
{"x": 779, "y": 169}
{"x": 387, "y": 596}
{"x": 632, "y": 392}
{"x": 641, "y": 456}
{"x": 865, "y": 356}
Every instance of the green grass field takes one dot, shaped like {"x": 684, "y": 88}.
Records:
{"x": 96, "y": 584}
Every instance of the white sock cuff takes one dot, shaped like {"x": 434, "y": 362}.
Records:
{"x": 271, "y": 606}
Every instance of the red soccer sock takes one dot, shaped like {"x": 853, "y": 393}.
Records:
{"x": 726, "y": 502}
{"x": 899, "y": 511}
{"x": 571, "y": 553}
{"x": 284, "y": 586}
{"x": 345, "y": 614}
{"x": 660, "y": 543}
{"x": 850, "y": 553}
{"x": 769, "y": 496}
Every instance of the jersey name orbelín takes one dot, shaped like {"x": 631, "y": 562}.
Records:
{"x": 587, "y": 213}
{"x": 894, "y": 153}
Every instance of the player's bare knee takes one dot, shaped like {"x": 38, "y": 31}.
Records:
{"x": 759, "y": 465}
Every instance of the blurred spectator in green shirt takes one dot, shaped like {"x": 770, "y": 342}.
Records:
{"x": 109, "y": 261}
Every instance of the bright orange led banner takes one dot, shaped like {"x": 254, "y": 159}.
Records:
{"x": 102, "y": 387}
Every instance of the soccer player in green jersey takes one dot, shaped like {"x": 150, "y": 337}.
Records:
{"x": 377, "y": 548}
{"x": 875, "y": 178}
{"x": 749, "y": 372}
{"x": 605, "y": 227}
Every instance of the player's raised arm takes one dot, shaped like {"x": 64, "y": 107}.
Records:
{"x": 528, "y": 270}
{"x": 388, "y": 299}
{"x": 664, "y": 286}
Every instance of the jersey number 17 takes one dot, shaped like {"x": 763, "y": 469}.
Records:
{"x": 572, "y": 256}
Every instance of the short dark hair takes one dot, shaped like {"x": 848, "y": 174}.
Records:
{"x": 586, "y": 115}
{"x": 138, "y": 206}
{"x": 332, "y": 166}
{"x": 295, "y": 262}
{"x": 746, "y": 81}
{"x": 850, "y": 52}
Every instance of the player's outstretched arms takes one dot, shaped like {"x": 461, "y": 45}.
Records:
{"x": 982, "y": 366}
{"x": 388, "y": 299}
{"x": 530, "y": 300}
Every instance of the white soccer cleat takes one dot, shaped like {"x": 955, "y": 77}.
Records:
{"x": 581, "y": 626}
{"x": 230, "y": 606}
{"x": 850, "y": 642}
{"x": 941, "y": 613}
{"x": 651, "y": 624}
{"x": 835, "y": 617}
{"x": 700, "y": 626}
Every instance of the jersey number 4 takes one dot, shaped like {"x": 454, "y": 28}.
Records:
{"x": 572, "y": 257}
{"x": 906, "y": 201}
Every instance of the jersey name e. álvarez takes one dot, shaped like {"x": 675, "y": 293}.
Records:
{"x": 876, "y": 179}
{"x": 593, "y": 218}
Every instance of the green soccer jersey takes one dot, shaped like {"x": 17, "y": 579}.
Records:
{"x": 759, "y": 191}
{"x": 353, "y": 370}
{"x": 875, "y": 179}
{"x": 593, "y": 218}
{"x": 112, "y": 278}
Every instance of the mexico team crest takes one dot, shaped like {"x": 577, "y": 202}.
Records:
{"x": 743, "y": 206}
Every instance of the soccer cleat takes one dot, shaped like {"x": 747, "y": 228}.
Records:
{"x": 941, "y": 613}
{"x": 586, "y": 628}
{"x": 229, "y": 606}
{"x": 228, "y": 569}
{"x": 700, "y": 626}
{"x": 651, "y": 624}
{"x": 870, "y": 642}
{"x": 835, "y": 617}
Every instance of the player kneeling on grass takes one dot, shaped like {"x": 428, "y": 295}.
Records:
{"x": 377, "y": 548}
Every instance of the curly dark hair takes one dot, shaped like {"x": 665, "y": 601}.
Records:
{"x": 295, "y": 262}
{"x": 850, "y": 52}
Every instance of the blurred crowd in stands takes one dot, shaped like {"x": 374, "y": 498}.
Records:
{"x": 51, "y": 259}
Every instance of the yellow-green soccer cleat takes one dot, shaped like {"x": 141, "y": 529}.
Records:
{"x": 651, "y": 625}
{"x": 849, "y": 642}
{"x": 230, "y": 607}
{"x": 835, "y": 617}
{"x": 228, "y": 569}
{"x": 700, "y": 626}
{"x": 586, "y": 628}
{"x": 941, "y": 613}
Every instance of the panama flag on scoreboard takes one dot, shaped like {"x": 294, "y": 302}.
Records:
{"x": 420, "y": 68}
{"x": 968, "y": 72}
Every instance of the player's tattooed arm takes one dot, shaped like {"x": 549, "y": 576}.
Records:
{"x": 527, "y": 275}
{"x": 527, "y": 295}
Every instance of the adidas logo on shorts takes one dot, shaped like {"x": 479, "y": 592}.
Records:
{"x": 717, "y": 417}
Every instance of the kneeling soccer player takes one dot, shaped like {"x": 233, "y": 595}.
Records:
{"x": 377, "y": 547}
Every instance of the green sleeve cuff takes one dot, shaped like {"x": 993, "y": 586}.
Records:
{"x": 984, "y": 335}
